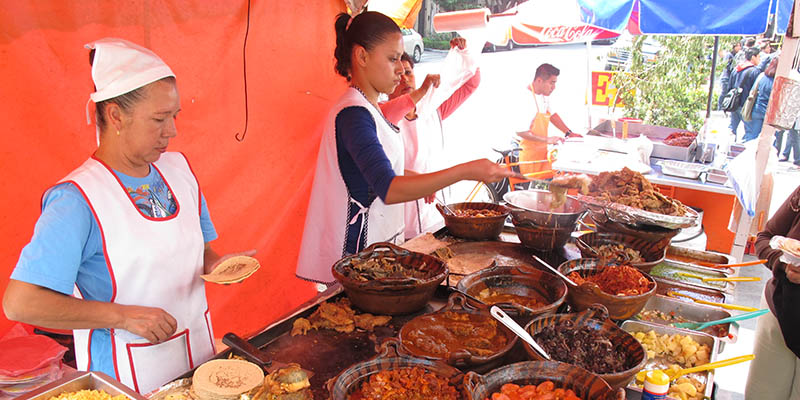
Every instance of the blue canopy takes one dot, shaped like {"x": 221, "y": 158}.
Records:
{"x": 784, "y": 10}
{"x": 689, "y": 17}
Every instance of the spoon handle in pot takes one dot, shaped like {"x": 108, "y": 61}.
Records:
{"x": 555, "y": 271}
{"x": 504, "y": 319}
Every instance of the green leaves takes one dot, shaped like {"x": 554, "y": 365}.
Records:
{"x": 670, "y": 91}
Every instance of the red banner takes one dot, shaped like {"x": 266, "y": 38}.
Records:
{"x": 602, "y": 90}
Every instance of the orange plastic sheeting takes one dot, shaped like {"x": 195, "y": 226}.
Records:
{"x": 257, "y": 190}
{"x": 403, "y": 12}
{"x": 717, "y": 209}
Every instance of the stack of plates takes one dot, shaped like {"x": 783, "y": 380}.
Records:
{"x": 233, "y": 270}
{"x": 18, "y": 385}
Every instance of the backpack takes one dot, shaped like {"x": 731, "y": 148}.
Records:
{"x": 750, "y": 102}
{"x": 731, "y": 98}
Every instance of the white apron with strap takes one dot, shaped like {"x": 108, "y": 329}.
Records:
{"x": 326, "y": 222}
{"x": 152, "y": 263}
{"x": 420, "y": 152}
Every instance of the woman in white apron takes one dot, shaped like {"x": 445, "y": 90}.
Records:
{"x": 359, "y": 187}
{"x": 126, "y": 234}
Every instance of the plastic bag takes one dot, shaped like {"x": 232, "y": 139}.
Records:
{"x": 457, "y": 68}
{"x": 22, "y": 353}
{"x": 742, "y": 174}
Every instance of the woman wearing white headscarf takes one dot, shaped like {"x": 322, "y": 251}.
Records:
{"x": 118, "y": 249}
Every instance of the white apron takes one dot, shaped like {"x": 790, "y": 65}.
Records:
{"x": 421, "y": 151}
{"x": 153, "y": 263}
{"x": 324, "y": 234}
{"x": 425, "y": 152}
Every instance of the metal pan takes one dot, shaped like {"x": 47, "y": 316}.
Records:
{"x": 670, "y": 270}
{"x": 92, "y": 380}
{"x": 696, "y": 313}
{"x": 691, "y": 256}
{"x": 707, "y": 377}
{"x": 665, "y": 286}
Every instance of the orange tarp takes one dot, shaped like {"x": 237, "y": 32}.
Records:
{"x": 257, "y": 190}
{"x": 403, "y": 12}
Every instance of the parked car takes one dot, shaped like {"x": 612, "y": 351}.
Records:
{"x": 619, "y": 55}
{"x": 412, "y": 44}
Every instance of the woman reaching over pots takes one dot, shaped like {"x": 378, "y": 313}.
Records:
{"x": 359, "y": 188}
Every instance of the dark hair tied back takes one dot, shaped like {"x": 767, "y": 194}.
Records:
{"x": 367, "y": 29}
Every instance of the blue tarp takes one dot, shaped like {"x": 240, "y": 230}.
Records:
{"x": 689, "y": 17}
{"x": 784, "y": 9}
{"x": 609, "y": 14}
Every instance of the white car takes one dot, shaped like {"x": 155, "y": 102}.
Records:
{"x": 412, "y": 44}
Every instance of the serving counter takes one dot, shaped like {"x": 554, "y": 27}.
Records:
{"x": 714, "y": 199}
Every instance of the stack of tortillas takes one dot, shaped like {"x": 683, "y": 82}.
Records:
{"x": 233, "y": 270}
{"x": 225, "y": 379}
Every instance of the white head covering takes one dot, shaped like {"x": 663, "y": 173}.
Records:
{"x": 119, "y": 67}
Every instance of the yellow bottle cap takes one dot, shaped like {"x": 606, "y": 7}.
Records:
{"x": 657, "y": 377}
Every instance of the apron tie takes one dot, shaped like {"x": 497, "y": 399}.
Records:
{"x": 362, "y": 211}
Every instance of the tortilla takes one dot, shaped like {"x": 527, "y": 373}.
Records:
{"x": 791, "y": 246}
{"x": 465, "y": 264}
{"x": 225, "y": 379}
{"x": 425, "y": 244}
{"x": 233, "y": 270}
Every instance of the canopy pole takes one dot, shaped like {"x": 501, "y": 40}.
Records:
{"x": 713, "y": 72}
{"x": 588, "y": 93}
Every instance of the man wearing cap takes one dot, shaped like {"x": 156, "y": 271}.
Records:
{"x": 118, "y": 249}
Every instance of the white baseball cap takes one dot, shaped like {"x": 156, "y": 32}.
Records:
{"x": 120, "y": 66}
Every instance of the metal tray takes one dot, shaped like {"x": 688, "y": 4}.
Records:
{"x": 92, "y": 380}
{"x": 694, "y": 312}
{"x": 691, "y": 256}
{"x": 717, "y": 176}
{"x": 702, "y": 338}
{"x": 664, "y": 286}
{"x": 682, "y": 169}
{"x": 601, "y": 210}
{"x": 669, "y": 270}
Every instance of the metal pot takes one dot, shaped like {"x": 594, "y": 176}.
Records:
{"x": 533, "y": 206}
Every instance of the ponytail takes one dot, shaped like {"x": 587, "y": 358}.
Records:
{"x": 367, "y": 30}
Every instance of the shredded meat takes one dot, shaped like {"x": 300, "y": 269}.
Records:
{"x": 680, "y": 138}
{"x": 632, "y": 189}
{"x": 582, "y": 346}
{"x": 617, "y": 280}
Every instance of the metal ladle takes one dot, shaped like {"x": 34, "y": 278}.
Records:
{"x": 504, "y": 319}
{"x": 555, "y": 271}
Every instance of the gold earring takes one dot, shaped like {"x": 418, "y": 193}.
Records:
{"x": 117, "y": 132}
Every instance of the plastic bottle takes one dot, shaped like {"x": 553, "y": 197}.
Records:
{"x": 656, "y": 385}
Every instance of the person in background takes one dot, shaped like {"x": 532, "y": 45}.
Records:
{"x": 725, "y": 79}
{"x": 359, "y": 185}
{"x": 534, "y": 135}
{"x": 768, "y": 53}
{"x": 118, "y": 250}
{"x": 747, "y": 43}
{"x": 764, "y": 88}
{"x": 423, "y": 136}
{"x": 743, "y": 78}
{"x": 775, "y": 372}
{"x": 792, "y": 144}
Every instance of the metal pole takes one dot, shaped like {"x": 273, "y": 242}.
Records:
{"x": 713, "y": 71}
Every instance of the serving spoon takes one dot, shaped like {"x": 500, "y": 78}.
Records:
{"x": 555, "y": 271}
{"x": 697, "y": 326}
{"x": 640, "y": 376}
{"x": 504, "y": 319}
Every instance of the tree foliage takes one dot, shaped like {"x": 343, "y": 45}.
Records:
{"x": 672, "y": 90}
